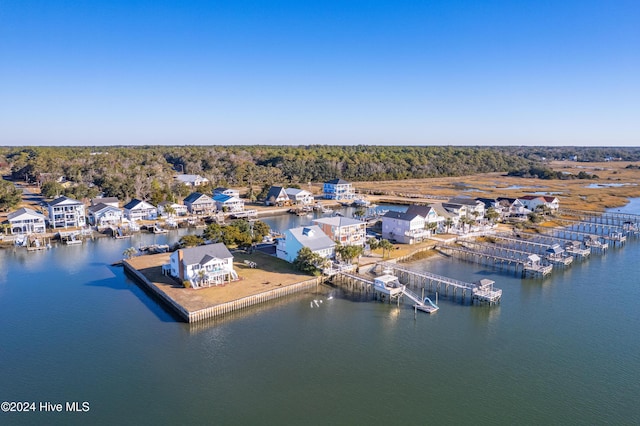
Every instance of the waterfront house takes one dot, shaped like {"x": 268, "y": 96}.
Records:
{"x": 344, "y": 230}
{"x": 177, "y": 209}
{"x": 305, "y": 236}
{"x": 429, "y": 213}
{"x": 446, "y": 217}
{"x": 228, "y": 203}
{"x": 299, "y": 196}
{"x": 203, "y": 266}
{"x": 535, "y": 202}
{"x": 226, "y": 191}
{"x": 199, "y": 203}
{"x": 276, "y": 196}
{"x": 66, "y": 212}
{"x": 474, "y": 208}
{"x": 27, "y": 221}
{"x": 338, "y": 189}
{"x": 492, "y": 203}
{"x": 513, "y": 208}
{"x": 192, "y": 180}
{"x": 109, "y": 201}
{"x": 140, "y": 210}
{"x": 403, "y": 227}
{"x": 104, "y": 215}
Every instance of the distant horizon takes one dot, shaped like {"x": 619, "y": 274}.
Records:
{"x": 318, "y": 72}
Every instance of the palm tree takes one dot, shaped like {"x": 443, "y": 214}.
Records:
{"x": 386, "y": 246}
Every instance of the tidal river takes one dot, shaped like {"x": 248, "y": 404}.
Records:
{"x": 77, "y": 332}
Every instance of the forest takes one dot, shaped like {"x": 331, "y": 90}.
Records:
{"x": 147, "y": 172}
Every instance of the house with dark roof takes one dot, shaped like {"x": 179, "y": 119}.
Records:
{"x": 202, "y": 266}
{"x": 65, "y": 212}
{"x": 26, "y": 221}
{"x": 104, "y": 215}
{"x": 311, "y": 237}
{"x": 140, "y": 210}
{"x": 338, "y": 189}
{"x": 474, "y": 208}
{"x": 110, "y": 201}
{"x": 199, "y": 203}
{"x": 276, "y": 196}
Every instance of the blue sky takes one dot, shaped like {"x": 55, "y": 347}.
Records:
{"x": 428, "y": 72}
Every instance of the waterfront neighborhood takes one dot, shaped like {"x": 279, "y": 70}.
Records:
{"x": 346, "y": 237}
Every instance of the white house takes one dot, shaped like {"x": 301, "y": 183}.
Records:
{"x": 338, "y": 189}
{"x": 104, "y": 215}
{"x": 192, "y": 180}
{"x": 345, "y": 230}
{"x": 228, "y": 203}
{"x": 475, "y": 208}
{"x": 178, "y": 209}
{"x": 26, "y": 221}
{"x": 140, "y": 210}
{"x": 276, "y": 196}
{"x": 299, "y": 196}
{"x": 199, "y": 203}
{"x": 533, "y": 202}
{"x": 305, "y": 236}
{"x": 513, "y": 208}
{"x": 110, "y": 201}
{"x": 66, "y": 212}
{"x": 407, "y": 228}
{"x": 202, "y": 266}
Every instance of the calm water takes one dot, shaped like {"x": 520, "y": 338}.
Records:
{"x": 564, "y": 350}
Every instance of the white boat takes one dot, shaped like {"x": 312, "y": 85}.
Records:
{"x": 361, "y": 202}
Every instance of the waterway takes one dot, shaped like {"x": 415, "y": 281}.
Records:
{"x": 563, "y": 350}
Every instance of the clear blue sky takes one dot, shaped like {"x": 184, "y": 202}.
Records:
{"x": 421, "y": 72}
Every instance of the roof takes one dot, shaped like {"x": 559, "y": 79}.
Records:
{"x": 64, "y": 201}
{"x": 104, "y": 200}
{"x": 421, "y": 210}
{"x": 295, "y": 191}
{"x": 401, "y": 215}
{"x": 312, "y": 237}
{"x": 337, "y": 182}
{"x": 137, "y": 203}
{"x": 275, "y": 192}
{"x": 189, "y": 178}
{"x": 466, "y": 201}
{"x": 223, "y": 198}
{"x": 203, "y": 254}
{"x": 101, "y": 206}
{"x": 339, "y": 221}
{"x": 197, "y": 196}
{"x": 24, "y": 211}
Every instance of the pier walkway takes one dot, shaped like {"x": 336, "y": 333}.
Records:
{"x": 572, "y": 247}
{"x": 529, "y": 265}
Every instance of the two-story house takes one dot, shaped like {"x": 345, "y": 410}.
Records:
{"x": 65, "y": 212}
{"x": 202, "y": 266}
{"x": 140, "y": 210}
{"x": 199, "y": 203}
{"x": 338, "y": 189}
{"x": 311, "y": 237}
{"x": 26, "y": 221}
{"x": 344, "y": 230}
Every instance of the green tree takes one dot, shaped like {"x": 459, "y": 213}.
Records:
{"x": 386, "y": 247}
{"x": 51, "y": 189}
{"x": 191, "y": 241}
{"x": 10, "y": 196}
{"x": 373, "y": 243}
{"x": 130, "y": 252}
{"x": 348, "y": 252}
{"x": 491, "y": 214}
{"x": 308, "y": 261}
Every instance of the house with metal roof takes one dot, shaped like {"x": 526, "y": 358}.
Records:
{"x": 199, "y": 203}
{"x": 276, "y": 196}
{"x": 192, "y": 180}
{"x": 104, "y": 215}
{"x": 228, "y": 203}
{"x": 140, "y": 210}
{"x": 345, "y": 230}
{"x": 202, "y": 266}
{"x": 65, "y": 212}
{"x": 305, "y": 236}
{"x": 338, "y": 189}
{"x": 299, "y": 196}
{"x": 533, "y": 202}
{"x": 27, "y": 221}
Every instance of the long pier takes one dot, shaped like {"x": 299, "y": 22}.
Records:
{"x": 482, "y": 291}
{"x": 529, "y": 267}
{"x": 615, "y": 239}
{"x": 598, "y": 228}
{"x": 613, "y": 218}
